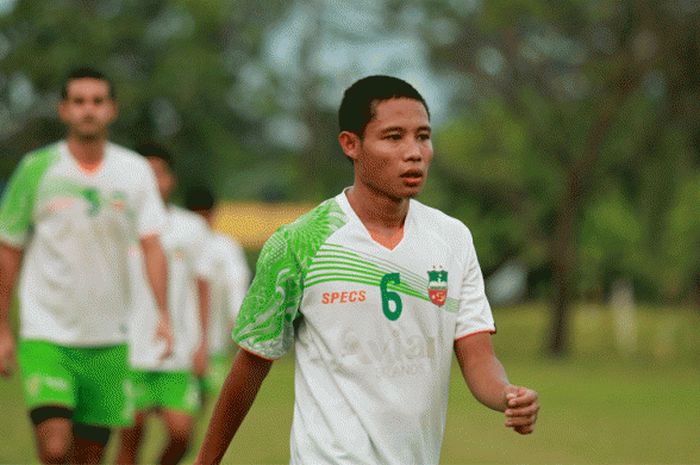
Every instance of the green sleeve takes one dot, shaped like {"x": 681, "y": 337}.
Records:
{"x": 17, "y": 207}
{"x": 265, "y": 323}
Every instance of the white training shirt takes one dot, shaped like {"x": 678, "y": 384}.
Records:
{"x": 183, "y": 239}
{"x": 227, "y": 288}
{"x": 373, "y": 330}
{"x": 75, "y": 228}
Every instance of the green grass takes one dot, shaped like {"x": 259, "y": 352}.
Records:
{"x": 598, "y": 406}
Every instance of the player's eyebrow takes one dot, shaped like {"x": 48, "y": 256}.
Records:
{"x": 393, "y": 129}
{"x": 402, "y": 130}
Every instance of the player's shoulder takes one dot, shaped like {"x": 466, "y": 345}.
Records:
{"x": 432, "y": 218}
{"x": 308, "y": 232}
{"x": 224, "y": 241}
{"x": 126, "y": 158}
{"x": 41, "y": 157}
{"x": 326, "y": 216}
{"x": 186, "y": 219}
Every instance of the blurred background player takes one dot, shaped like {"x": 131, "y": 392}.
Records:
{"x": 170, "y": 388}
{"x": 67, "y": 219}
{"x": 376, "y": 292}
{"x": 226, "y": 289}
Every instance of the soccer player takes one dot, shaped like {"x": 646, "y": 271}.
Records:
{"x": 66, "y": 221}
{"x": 226, "y": 289}
{"x": 375, "y": 291}
{"x": 170, "y": 388}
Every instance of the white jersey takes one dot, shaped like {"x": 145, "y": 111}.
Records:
{"x": 227, "y": 288}
{"x": 183, "y": 240}
{"x": 75, "y": 228}
{"x": 373, "y": 330}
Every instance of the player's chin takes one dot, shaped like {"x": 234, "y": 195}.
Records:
{"x": 89, "y": 135}
{"x": 411, "y": 191}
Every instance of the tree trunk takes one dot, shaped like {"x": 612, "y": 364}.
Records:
{"x": 563, "y": 249}
{"x": 563, "y": 262}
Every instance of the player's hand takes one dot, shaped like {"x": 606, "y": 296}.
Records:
{"x": 522, "y": 406}
{"x": 200, "y": 361}
{"x": 8, "y": 360}
{"x": 164, "y": 333}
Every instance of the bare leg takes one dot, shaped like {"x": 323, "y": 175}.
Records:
{"x": 130, "y": 440}
{"x": 179, "y": 426}
{"x": 87, "y": 451}
{"x": 89, "y": 442}
{"x": 54, "y": 438}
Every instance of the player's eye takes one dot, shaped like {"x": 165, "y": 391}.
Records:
{"x": 393, "y": 136}
{"x": 424, "y": 136}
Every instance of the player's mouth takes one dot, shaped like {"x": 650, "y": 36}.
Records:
{"x": 412, "y": 177}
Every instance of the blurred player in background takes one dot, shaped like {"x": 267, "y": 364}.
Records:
{"x": 67, "y": 219}
{"x": 227, "y": 288}
{"x": 170, "y": 387}
{"x": 376, "y": 291}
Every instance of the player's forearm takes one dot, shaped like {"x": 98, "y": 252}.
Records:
{"x": 488, "y": 381}
{"x": 10, "y": 260}
{"x": 156, "y": 266}
{"x": 203, "y": 294}
{"x": 483, "y": 372}
{"x": 237, "y": 396}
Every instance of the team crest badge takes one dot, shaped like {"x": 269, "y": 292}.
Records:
{"x": 118, "y": 200}
{"x": 437, "y": 286}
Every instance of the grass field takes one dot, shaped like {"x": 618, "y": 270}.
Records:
{"x": 598, "y": 407}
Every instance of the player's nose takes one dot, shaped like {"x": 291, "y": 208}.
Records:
{"x": 413, "y": 152}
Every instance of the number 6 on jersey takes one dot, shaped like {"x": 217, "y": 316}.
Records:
{"x": 391, "y": 296}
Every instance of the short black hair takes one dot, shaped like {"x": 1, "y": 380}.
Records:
{"x": 153, "y": 149}
{"x": 360, "y": 100}
{"x": 199, "y": 198}
{"x": 87, "y": 72}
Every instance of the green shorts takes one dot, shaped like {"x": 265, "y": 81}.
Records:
{"x": 91, "y": 381}
{"x": 170, "y": 390}
{"x": 219, "y": 365}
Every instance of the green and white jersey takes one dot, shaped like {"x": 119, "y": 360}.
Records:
{"x": 75, "y": 229}
{"x": 183, "y": 240}
{"x": 373, "y": 330}
{"x": 227, "y": 288}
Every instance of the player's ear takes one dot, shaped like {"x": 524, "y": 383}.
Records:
{"x": 63, "y": 110}
{"x": 114, "y": 110}
{"x": 350, "y": 143}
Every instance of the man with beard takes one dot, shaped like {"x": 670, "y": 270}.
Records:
{"x": 66, "y": 221}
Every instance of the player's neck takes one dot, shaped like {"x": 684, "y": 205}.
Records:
{"x": 88, "y": 153}
{"x": 382, "y": 216}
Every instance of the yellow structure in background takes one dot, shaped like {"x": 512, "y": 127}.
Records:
{"x": 252, "y": 223}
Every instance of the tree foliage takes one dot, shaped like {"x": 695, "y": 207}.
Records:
{"x": 575, "y": 139}
{"x": 568, "y": 139}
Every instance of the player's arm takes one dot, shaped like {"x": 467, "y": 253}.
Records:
{"x": 15, "y": 226}
{"x": 156, "y": 266}
{"x": 265, "y": 326}
{"x": 10, "y": 261}
{"x": 201, "y": 354}
{"x": 488, "y": 382}
{"x": 237, "y": 395}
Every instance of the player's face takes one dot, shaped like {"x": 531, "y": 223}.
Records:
{"x": 394, "y": 156}
{"x": 164, "y": 177}
{"x": 88, "y": 109}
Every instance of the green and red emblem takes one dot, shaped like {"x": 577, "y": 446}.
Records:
{"x": 437, "y": 286}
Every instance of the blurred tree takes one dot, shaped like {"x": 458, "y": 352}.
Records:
{"x": 177, "y": 67}
{"x": 568, "y": 137}
{"x": 574, "y": 122}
